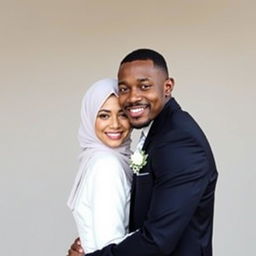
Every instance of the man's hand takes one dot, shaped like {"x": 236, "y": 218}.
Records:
{"x": 76, "y": 249}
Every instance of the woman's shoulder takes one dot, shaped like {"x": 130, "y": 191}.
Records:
{"x": 105, "y": 162}
{"x": 105, "y": 157}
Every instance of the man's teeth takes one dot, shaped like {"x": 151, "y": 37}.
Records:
{"x": 136, "y": 110}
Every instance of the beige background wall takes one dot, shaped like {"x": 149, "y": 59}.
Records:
{"x": 52, "y": 50}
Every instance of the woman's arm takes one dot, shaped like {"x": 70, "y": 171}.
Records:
{"x": 103, "y": 205}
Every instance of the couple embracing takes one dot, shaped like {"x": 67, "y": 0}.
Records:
{"x": 162, "y": 202}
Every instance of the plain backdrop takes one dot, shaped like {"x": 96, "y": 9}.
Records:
{"x": 51, "y": 51}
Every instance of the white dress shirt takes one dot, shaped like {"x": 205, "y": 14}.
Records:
{"x": 143, "y": 136}
{"x": 102, "y": 207}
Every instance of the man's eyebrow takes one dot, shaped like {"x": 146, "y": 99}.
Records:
{"x": 143, "y": 80}
{"x": 138, "y": 80}
{"x": 121, "y": 82}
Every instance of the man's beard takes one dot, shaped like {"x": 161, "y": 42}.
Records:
{"x": 139, "y": 126}
{"x": 144, "y": 105}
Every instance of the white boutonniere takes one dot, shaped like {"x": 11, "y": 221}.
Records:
{"x": 138, "y": 160}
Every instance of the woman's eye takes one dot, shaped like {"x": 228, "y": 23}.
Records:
{"x": 103, "y": 116}
{"x": 123, "y": 115}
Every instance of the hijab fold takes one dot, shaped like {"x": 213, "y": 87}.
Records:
{"x": 90, "y": 144}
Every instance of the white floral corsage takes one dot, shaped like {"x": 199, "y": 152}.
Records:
{"x": 138, "y": 160}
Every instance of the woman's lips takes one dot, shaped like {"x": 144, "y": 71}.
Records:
{"x": 114, "y": 135}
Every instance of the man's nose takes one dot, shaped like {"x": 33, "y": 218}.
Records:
{"x": 134, "y": 95}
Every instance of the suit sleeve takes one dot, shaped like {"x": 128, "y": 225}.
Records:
{"x": 180, "y": 167}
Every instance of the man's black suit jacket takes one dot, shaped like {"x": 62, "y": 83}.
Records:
{"x": 172, "y": 199}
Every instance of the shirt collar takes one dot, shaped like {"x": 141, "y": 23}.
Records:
{"x": 146, "y": 129}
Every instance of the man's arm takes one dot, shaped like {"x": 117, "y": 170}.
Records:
{"x": 76, "y": 249}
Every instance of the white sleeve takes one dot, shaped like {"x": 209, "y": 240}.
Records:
{"x": 107, "y": 195}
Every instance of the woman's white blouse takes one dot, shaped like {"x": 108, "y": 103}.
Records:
{"x": 102, "y": 207}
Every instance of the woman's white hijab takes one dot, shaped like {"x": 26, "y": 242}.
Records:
{"x": 92, "y": 101}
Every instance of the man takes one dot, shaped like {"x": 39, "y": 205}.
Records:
{"x": 172, "y": 197}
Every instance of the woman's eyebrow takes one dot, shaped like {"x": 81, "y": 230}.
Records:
{"x": 104, "y": 110}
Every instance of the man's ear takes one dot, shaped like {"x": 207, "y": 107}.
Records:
{"x": 169, "y": 84}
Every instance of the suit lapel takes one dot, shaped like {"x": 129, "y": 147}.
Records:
{"x": 155, "y": 129}
{"x": 159, "y": 122}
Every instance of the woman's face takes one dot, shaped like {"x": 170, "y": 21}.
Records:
{"x": 112, "y": 126}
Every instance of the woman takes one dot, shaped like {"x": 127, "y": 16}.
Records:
{"x": 100, "y": 197}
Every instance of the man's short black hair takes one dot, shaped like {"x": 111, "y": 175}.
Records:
{"x": 147, "y": 54}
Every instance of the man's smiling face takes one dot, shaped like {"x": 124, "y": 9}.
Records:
{"x": 143, "y": 91}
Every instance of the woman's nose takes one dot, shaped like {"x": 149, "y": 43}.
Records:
{"x": 115, "y": 123}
